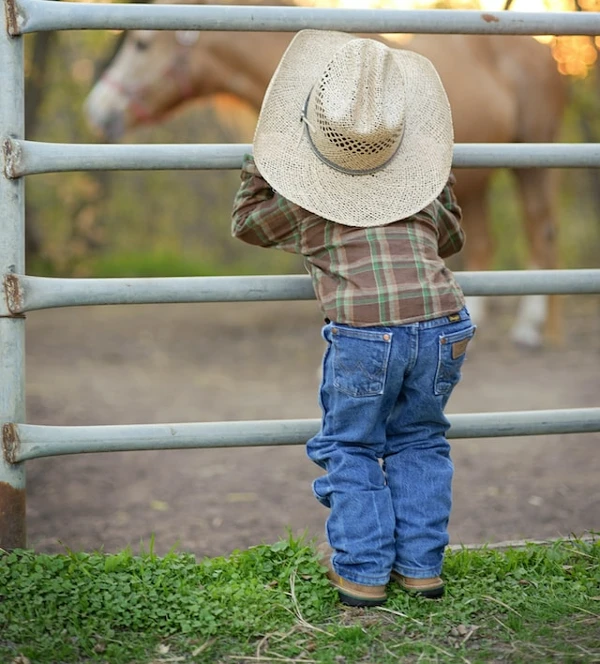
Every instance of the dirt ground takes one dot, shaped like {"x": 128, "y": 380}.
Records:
{"x": 186, "y": 363}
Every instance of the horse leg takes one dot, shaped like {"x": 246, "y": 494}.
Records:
{"x": 479, "y": 246}
{"x": 538, "y": 315}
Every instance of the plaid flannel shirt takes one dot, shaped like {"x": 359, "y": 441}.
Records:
{"x": 386, "y": 275}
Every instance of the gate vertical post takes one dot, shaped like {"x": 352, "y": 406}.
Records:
{"x": 12, "y": 261}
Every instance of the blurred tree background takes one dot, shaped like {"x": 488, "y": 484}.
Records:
{"x": 169, "y": 223}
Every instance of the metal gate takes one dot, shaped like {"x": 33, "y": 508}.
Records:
{"x": 22, "y": 293}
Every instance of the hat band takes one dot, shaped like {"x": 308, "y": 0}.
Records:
{"x": 348, "y": 171}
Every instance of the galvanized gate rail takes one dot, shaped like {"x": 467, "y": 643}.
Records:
{"x": 22, "y": 293}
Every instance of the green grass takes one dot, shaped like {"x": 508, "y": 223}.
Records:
{"x": 272, "y": 603}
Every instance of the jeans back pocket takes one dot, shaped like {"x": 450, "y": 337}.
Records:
{"x": 360, "y": 360}
{"x": 452, "y": 349}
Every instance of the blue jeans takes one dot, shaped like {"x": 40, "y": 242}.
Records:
{"x": 382, "y": 443}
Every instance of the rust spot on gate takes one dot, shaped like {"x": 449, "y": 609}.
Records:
{"x": 12, "y": 18}
{"x": 10, "y": 442}
{"x": 489, "y": 18}
{"x": 13, "y": 533}
{"x": 12, "y": 500}
{"x": 12, "y": 156}
{"x": 13, "y": 294}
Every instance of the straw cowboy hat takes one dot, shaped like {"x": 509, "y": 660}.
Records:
{"x": 354, "y": 131}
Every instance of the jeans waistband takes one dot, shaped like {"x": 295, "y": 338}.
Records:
{"x": 462, "y": 315}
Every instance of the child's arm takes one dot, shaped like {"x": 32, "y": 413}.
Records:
{"x": 451, "y": 236}
{"x": 261, "y": 216}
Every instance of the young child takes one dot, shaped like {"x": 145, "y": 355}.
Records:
{"x": 351, "y": 169}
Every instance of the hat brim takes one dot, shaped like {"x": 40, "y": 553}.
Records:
{"x": 411, "y": 180}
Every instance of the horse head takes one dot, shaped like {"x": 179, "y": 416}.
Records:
{"x": 155, "y": 71}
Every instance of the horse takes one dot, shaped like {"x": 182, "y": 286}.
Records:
{"x": 501, "y": 89}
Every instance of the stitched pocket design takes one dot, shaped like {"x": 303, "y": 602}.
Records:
{"x": 452, "y": 349}
{"x": 360, "y": 361}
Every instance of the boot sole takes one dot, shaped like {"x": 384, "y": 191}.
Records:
{"x": 428, "y": 593}
{"x": 434, "y": 593}
{"x": 349, "y": 600}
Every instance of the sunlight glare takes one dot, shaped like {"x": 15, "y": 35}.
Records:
{"x": 574, "y": 55}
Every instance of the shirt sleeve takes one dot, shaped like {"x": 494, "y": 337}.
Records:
{"x": 451, "y": 237}
{"x": 260, "y": 215}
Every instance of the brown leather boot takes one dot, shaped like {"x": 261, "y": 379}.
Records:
{"x": 356, "y": 594}
{"x": 430, "y": 588}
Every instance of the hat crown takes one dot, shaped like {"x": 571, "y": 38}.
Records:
{"x": 355, "y": 113}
